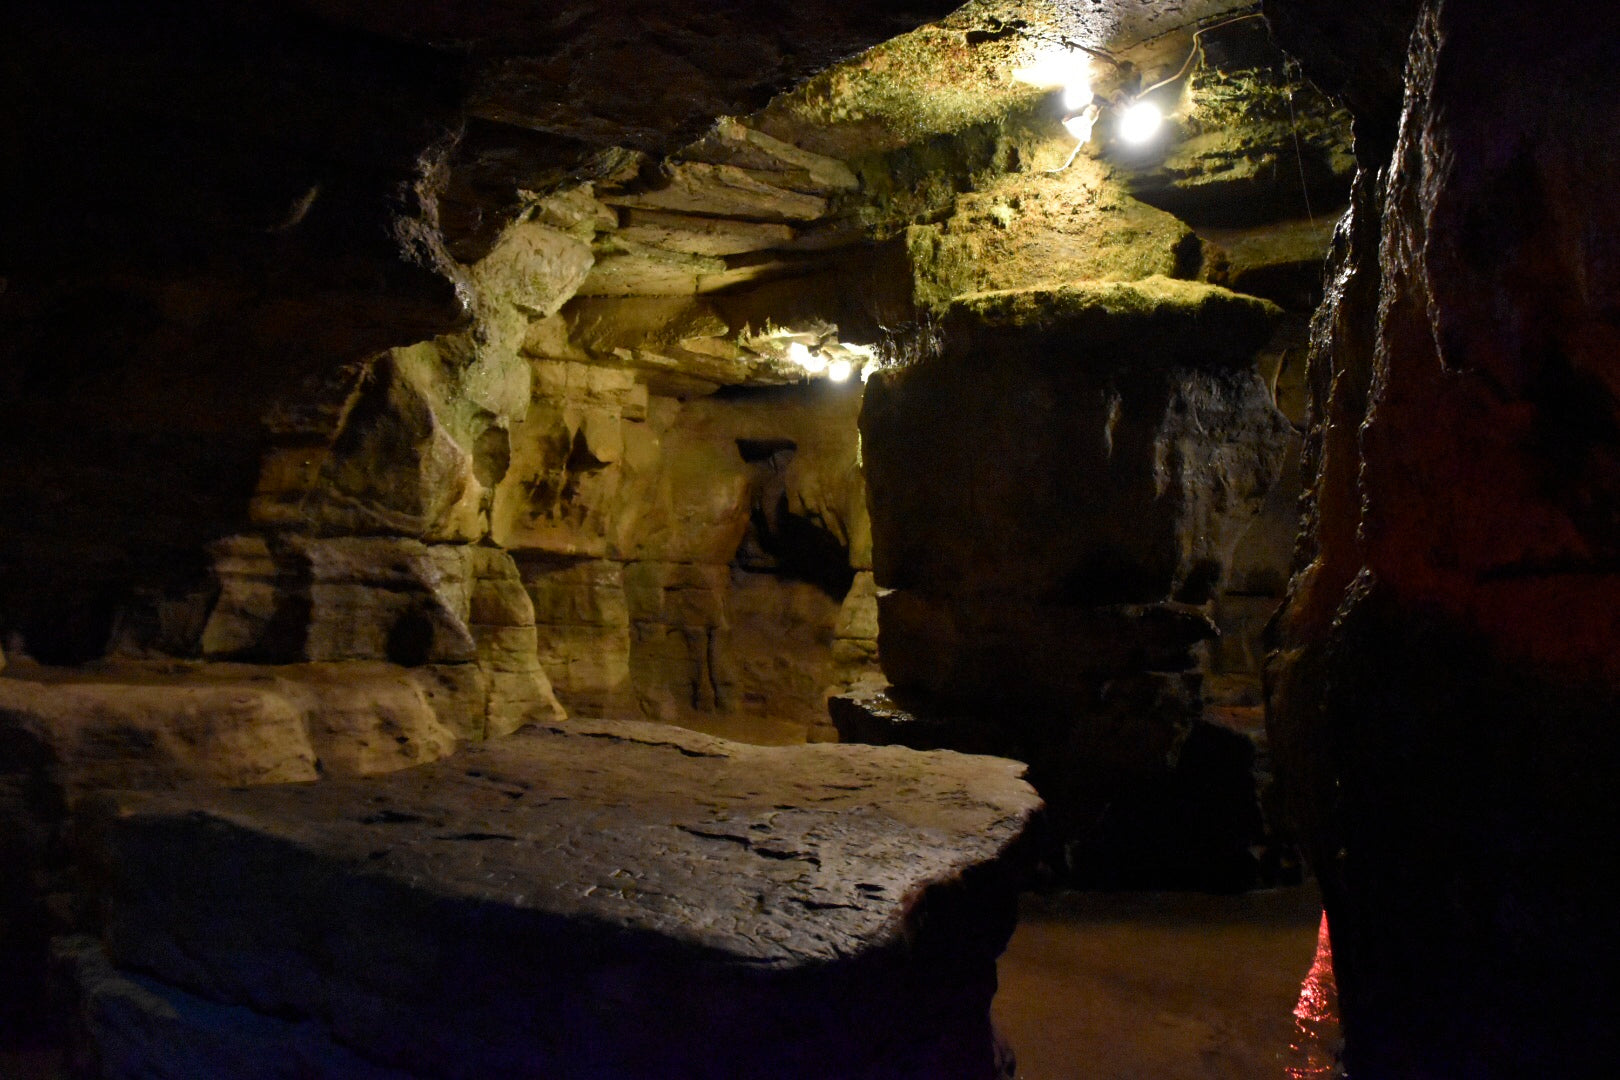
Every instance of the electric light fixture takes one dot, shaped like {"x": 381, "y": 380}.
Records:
{"x": 1077, "y": 94}
{"x": 840, "y": 370}
{"x": 812, "y": 362}
{"x": 1139, "y": 122}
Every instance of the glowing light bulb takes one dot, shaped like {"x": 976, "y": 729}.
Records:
{"x": 1077, "y": 94}
{"x": 800, "y": 354}
{"x": 1140, "y": 122}
{"x": 839, "y": 370}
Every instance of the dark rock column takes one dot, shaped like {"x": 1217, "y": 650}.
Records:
{"x": 1054, "y": 497}
{"x": 1443, "y": 698}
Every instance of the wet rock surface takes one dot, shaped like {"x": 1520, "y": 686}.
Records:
{"x": 535, "y": 907}
{"x": 1443, "y": 691}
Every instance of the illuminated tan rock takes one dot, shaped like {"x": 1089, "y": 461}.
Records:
{"x": 1025, "y": 231}
{"x": 140, "y": 726}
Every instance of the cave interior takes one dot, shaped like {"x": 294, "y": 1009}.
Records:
{"x": 615, "y": 539}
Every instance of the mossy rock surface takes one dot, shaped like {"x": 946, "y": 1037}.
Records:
{"x": 1157, "y": 314}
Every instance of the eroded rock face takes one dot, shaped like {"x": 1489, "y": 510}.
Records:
{"x": 537, "y": 908}
{"x": 389, "y": 599}
{"x": 688, "y": 559}
{"x": 132, "y": 725}
{"x": 1026, "y": 230}
{"x": 228, "y": 211}
{"x": 1443, "y": 694}
{"x": 1054, "y": 497}
{"x": 67, "y": 735}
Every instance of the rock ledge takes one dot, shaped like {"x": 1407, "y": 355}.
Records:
{"x": 581, "y": 900}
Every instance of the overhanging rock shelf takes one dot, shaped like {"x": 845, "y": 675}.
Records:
{"x": 578, "y": 900}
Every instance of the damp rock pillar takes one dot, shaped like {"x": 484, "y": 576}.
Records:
{"x": 1447, "y": 675}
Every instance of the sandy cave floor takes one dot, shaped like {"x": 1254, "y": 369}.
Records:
{"x": 1171, "y": 986}
{"x": 1123, "y": 986}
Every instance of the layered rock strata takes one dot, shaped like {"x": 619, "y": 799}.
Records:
{"x": 536, "y": 908}
{"x": 690, "y": 560}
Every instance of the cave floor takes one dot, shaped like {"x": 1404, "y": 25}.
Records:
{"x": 1134, "y": 986}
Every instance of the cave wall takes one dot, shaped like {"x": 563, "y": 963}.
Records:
{"x": 1443, "y": 692}
{"x": 204, "y": 209}
{"x": 690, "y": 560}
{"x": 236, "y": 226}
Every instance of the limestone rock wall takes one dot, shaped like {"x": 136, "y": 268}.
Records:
{"x": 688, "y": 559}
{"x": 1443, "y": 693}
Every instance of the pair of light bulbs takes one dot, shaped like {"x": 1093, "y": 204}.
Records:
{"x": 814, "y": 363}
{"x": 1137, "y": 123}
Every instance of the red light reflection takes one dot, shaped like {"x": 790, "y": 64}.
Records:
{"x": 1313, "y": 1054}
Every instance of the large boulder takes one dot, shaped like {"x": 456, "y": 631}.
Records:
{"x": 1089, "y": 443}
{"x": 543, "y": 907}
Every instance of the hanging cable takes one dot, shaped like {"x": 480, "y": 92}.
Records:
{"x": 1197, "y": 49}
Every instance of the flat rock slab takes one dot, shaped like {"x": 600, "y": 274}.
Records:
{"x": 604, "y": 899}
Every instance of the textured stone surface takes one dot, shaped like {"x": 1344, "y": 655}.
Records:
{"x": 1026, "y": 230}
{"x": 1444, "y": 692}
{"x": 688, "y": 560}
{"x": 294, "y": 188}
{"x": 1068, "y": 443}
{"x": 140, "y": 1026}
{"x": 1055, "y": 496}
{"x": 139, "y": 725}
{"x": 1281, "y": 261}
{"x": 1250, "y": 142}
{"x": 869, "y": 713}
{"x": 1008, "y": 647}
{"x": 387, "y": 599}
{"x": 536, "y": 908}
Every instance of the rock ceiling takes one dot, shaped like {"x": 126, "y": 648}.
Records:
{"x": 784, "y": 191}
{"x": 587, "y": 93}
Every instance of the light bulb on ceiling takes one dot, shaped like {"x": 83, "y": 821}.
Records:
{"x": 800, "y": 354}
{"x": 1077, "y": 94}
{"x": 839, "y": 370}
{"x": 1140, "y": 122}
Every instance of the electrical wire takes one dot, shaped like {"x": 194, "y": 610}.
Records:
{"x": 1072, "y": 155}
{"x": 1197, "y": 50}
{"x": 1119, "y": 65}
